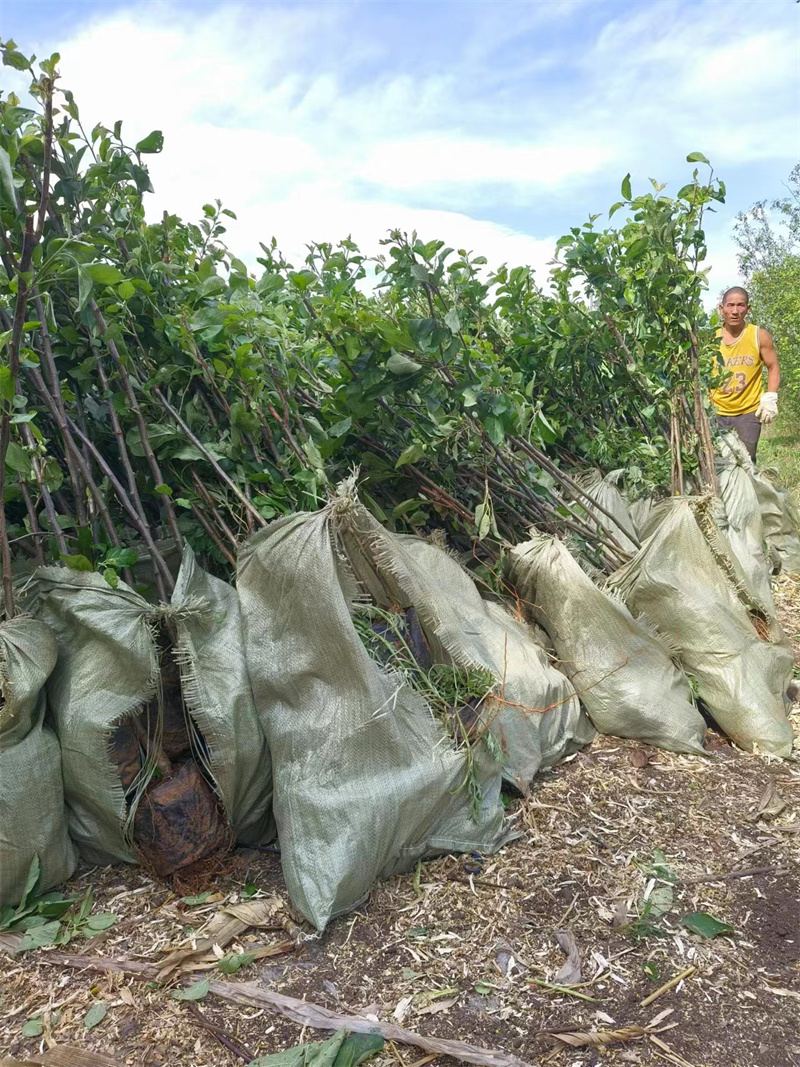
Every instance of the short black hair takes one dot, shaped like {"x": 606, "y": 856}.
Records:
{"x": 735, "y": 289}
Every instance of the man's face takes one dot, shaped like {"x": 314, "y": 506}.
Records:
{"x": 734, "y": 310}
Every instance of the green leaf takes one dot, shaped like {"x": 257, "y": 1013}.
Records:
{"x": 402, "y": 509}
{"x": 451, "y": 321}
{"x": 339, "y": 429}
{"x": 39, "y": 937}
{"x": 32, "y": 1028}
{"x": 626, "y": 187}
{"x": 313, "y": 453}
{"x": 126, "y": 290}
{"x": 494, "y": 428}
{"x": 6, "y": 383}
{"x": 356, "y": 1048}
{"x": 483, "y": 519}
{"x": 31, "y": 883}
{"x": 101, "y": 921}
{"x": 201, "y": 898}
{"x": 696, "y": 157}
{"x": 77, "y": 563}
{"x": 15, "y": 59}
{"x": 85, "y": 286}
{"x": 95, "y": 1015}
{"x": 8, "y": 191}
{"x": 700, "y": 922}
{"x": 163, "y": 489}
{"x": 198, "y": 991}
{"x": 17, "y": 459}
{"x": 104, "y": 273}
{"x": 120, "y": 557}
{"x": 56, "y": 907}
{"x": 234, "y": 962}
{"x": 401, "y": 365}
{"x": 411, "y": 454}
{"x": 154, "y": 142}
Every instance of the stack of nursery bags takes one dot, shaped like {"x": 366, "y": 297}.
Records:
{"x": 364, "y": 648}
{"x": 778, "y": 514}
{"x": 740, "y": 662}
{"x": 163, "y": 757}
{"x": 621, "y": 671}
{"x": 32, "y": 817}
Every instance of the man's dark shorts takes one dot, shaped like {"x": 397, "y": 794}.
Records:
{"x": 748, "y": 428}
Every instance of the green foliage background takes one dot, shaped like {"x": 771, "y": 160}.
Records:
{"x": 153, "y": 388}
{"x": 768, "y": 236}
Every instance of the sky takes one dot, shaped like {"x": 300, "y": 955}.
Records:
{"x": 493, "y": 125}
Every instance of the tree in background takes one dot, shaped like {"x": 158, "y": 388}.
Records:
{"x": 768, "y": 236}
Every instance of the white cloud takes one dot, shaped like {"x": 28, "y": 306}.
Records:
{"x": 311, "y": 129}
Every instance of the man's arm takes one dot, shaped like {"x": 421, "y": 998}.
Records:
{"x": 768, "y": 405}
{"x": 770, "y": 357}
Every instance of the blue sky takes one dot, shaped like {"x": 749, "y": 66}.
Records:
{"x": 492, "y": 125}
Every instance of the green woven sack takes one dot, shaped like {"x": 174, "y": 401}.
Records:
{"x": 108, "y": 670}
{"x": 678, "y": 582}
{"x": 535, "y": 716}
{"x": 32, "y": 816}
{"x": 366, "y": 781}
{"x": 780, "y": 519}
{"x": 622, "y": 673}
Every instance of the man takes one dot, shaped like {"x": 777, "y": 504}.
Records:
{"x": 744, "y": 349}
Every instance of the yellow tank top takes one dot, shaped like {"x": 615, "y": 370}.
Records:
{"x": 741, "y": 393}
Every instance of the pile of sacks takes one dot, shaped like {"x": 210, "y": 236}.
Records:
{"x": 163, "y": 734}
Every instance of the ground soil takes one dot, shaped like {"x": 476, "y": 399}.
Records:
{"x": 603, "y": 836}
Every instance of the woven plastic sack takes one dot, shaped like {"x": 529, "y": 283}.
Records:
{"x": 366, "y": 781}
{"x": 108, "y": 670}
{"x": 639, "y": 511}
{"x": 622, "y": 674}
{"x": 676, "y": 582}
{"x": 742, "y": 524}
{"x": 536, "y": 718}
{"x": 780, "y": 519}
{"x": 618, "y": 521}
{"x": 32, "y": 816}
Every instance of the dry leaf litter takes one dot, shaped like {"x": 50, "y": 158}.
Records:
{"x": 567, "y": 948}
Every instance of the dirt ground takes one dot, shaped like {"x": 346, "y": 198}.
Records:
{"x": 467, "y": 949}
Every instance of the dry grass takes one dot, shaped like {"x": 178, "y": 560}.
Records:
{"x": 474, "y": 956}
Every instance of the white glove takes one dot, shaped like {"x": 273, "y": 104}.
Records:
{"x": 767, "y": 408}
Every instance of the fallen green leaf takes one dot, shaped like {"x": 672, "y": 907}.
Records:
{"x": 700, "y": 922}
{"x": 39, "y": 937}
{"x": 234, "y": 962}
{"x": 95, "y": 1015}
{"x": 198, "y": 991}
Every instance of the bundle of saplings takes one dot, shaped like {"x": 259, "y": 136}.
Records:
{"x": 622, "y": 673}
{"x": 164, "y": 761}
{"x": 32, "y": 816}
{"x": 739, "y": 660}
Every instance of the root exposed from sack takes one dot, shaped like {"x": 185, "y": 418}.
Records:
{"x": 178, "y": 822}
{"x": 126, "y": 753}
{"x": 174, "y": 734}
